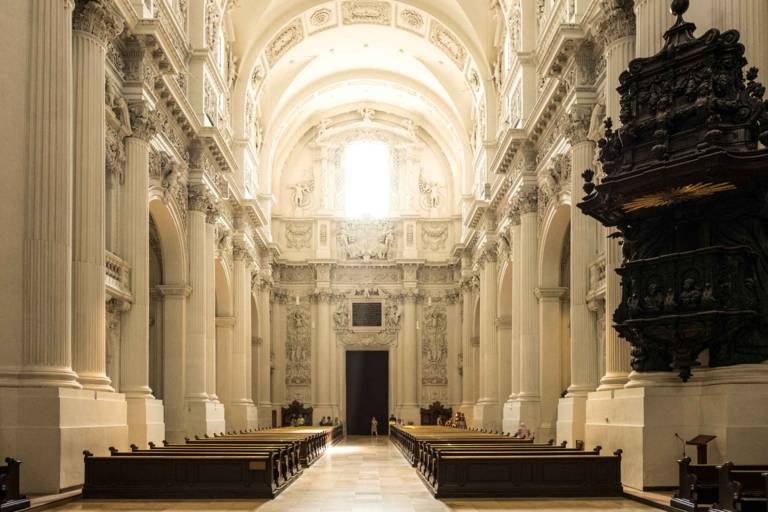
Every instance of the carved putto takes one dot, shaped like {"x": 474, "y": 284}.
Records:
{"x": 302, "y": 193}
{"x": 430, "y": 192}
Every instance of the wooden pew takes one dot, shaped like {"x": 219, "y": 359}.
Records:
{"x": 248, "y": 465}
{"x": 461, "y": 463}
{"x": 698, "y": 485}
{"x": 741, "y": 490}
{"x": 11, "y": 498}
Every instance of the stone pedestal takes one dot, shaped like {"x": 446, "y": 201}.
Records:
{"x": 571, "y": 417}
{"x": 726, "y": 402}
{"x": 48, "y": 428}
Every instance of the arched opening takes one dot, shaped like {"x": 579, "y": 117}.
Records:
{"x": 554, "y": 315}
{"x": 169, "y": 279}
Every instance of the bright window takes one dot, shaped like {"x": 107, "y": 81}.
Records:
{"x": 366, "y": 177}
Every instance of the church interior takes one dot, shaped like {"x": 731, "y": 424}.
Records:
{"x": 384, "y": 255}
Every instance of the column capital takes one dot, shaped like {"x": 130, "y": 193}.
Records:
{"x": 578, "y": 123}
{"x": 322, "y": 295}
{"x": 212, "y": 214}
{"x": 144, "y": 121}
{"x": 199, "y": 198}
{"x": 95, "y": 18}
{"x": 527, "y": 201}
{"x": 617, "y": 22}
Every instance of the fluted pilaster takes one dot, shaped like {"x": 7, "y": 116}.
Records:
{"x": 242, "y": 333}
{"x": 265, "y": 367}
{"x": 514, "y": 370}
{"x": 195, "y": 386}
{"x": 467, "y": 398}
{"x": 489, "y": 350}
{"x": 410, "y": 358}
{"x": 47, "y": 352}
{"x": 583, "y": 356}
{"x": 94, "y": 25}
{"x": 210, "y": 303}
{"x": 323, "y": 377}
{"x": 529, "y": 328}
{"x": 134, "y": 248}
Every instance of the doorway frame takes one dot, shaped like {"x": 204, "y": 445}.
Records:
{"x": 391, "y": 377}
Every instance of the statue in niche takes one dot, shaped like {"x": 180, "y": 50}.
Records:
{"x": 302, "y": 193}
{"x": 430, "y": 192}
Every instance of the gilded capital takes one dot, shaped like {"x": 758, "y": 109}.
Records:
{"x": 94, "y": 17}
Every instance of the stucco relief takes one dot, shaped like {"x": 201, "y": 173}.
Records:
{"x": 297, "y": 274}
{"x": 430, "y": 274}
{"x": 434, "y": 236}
{"x": 366, "y": 240}
{"x": 286, "y": 39}
{"x": 446, "y": 41}
{"x": 298, "y": 235}
{"x": 411, "y": 19}
{"x": 366, "y": 11}
{"x": 298, "y": 349}
{"x": 343, "y": 274}
{"x": 434, "y": 346}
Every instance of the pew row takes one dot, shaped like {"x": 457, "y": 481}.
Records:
{"x": 11, "y": 499}
{"x": 456, "y": 463}
{"x": 726, "y": 488}
{"x": 245, "y": 465}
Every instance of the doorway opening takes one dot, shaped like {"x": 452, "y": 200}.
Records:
{"x": 367, "y": 391}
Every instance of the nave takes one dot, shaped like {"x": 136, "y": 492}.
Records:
{"x": 361, "y": 474}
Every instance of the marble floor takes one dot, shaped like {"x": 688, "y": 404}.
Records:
{"x": 361, "y": 474}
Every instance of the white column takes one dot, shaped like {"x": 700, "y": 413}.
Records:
{"x": 530, "y": 394}
{"x": 145, "y": 414}
{"x": 195, "y": 367}
{"x": 47, "y": 352}
{"x": 174, "y": 333}
{"x": 653, "y": 18}
{"x": 322, "y": 377}
{"x": 410, "y": 370}
{"x": 583, "y": 355}
{"x": 134, "y": 248}
{"x": 619, "y": 50}
{"x": 516, "y": 276}
{"x": 487, "y": 409}
{"x": 241, "y": 413}
{"x": 94, "y": 25}
{"x": 265, "y": 351}
{"x": 210, "y": 304}
{"x": 467, "y": 399}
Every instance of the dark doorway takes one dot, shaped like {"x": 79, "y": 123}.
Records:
{"x": 367, "y": 391}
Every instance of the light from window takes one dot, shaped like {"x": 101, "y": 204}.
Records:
{"x": 366, "y": 178}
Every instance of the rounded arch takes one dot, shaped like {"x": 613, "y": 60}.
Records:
{"x": 556, "y": 226}
{"x": 170, "y": 231}
{"x": 224, "y": 298}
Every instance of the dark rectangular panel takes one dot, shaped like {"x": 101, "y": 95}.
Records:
{"x": 366, "y": 314}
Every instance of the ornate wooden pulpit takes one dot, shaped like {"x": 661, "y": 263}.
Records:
{"x": 685, "y": 184}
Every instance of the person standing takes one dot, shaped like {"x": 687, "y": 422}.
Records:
{"x": 374, "y": 426}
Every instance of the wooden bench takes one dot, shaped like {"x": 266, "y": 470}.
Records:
{"x": 741, "y": 490}
{"x": 248, "y": 465}
{"x": 459, "y": 463}
{"x": 698, "y": 485}
{"x": 11, "y": 498}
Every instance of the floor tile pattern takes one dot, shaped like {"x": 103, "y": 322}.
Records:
{"x": 361, "y": 474}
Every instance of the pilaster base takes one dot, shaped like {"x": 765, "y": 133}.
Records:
{"x": 48, "y": 429}
{"x": 487, "y": 415}
{"x": 242, "y": 416}
{"x": 522, "y": 411}
{"x": 265, "y": 415}
{"x": 468, "y": 410}
{"x": 410, "y": 414}
{"x": 204, "y": 417}
{"x": 571, "y": 418}
{"x": 319, "y": 411}
{"x": 642, "y": 421}
{"x": 146, "y": 421}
